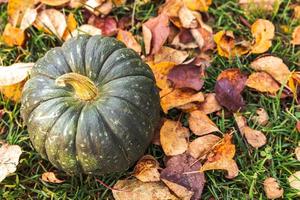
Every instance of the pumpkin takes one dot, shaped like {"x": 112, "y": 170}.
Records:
{"x": 91, "y": 106}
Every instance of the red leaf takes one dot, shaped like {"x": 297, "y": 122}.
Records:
{"x": 107, "y": 25}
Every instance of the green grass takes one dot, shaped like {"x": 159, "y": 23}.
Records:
{"x": 275, "y": 159}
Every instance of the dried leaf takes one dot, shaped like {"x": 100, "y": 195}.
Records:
{"x": 262, "y": 117}
{"x": 159, "y": 29}
{"x": 221, "y": 158}
{"x": 134, "y": 189}
{"x": 179, "y": 98}
{"x": 105, "y": 8}
{"x": 93, "y": 6}
{"x": 210, "y": 104}
{"x": 13, "y": 36}
{"x": 186, "y": 76}
{"x": 54, "y": 2}
{"x": 273, "y": 66}
{"x": 13, "y": 92}
{"x": 180, "y": 191}
{"x": 199, "y": 5}
{"x": 146, "y": 170}
{"x": 77, "y": 3}
{"x": 297, "y": 153}
{"x": 178, "y": 44}
{"x": 200, "y": 124}
{"x": 297, "y": 12}
{"x": 173, "y": 138}
{"x": 298, "y": 126}
{"x": 202, "y": 145}
{"x": 254, "y": 5}
{"x": 167, "y": 54}
{"x": 128, "y": 39}
{"x": 294, "y": 181}
{"x": 107, "y": 25}
{"x": 203, "y": 38}
{"x": 51, "y": 178}
{"x": 71, "y": 26}
{"x": 51, "y": 21}
{"x": 15, "y": 73}
{"x": 254, "y": 137}
{"x": 263, "y": 31}
{"x": 177, "y": 172}
{"x": 119, "y": 2}
{"x": 16, "y": 10}
{"x": 296, "y": 36}
{"x": 28, "y": 18}
{"x": 9, "y": 159}
{"x": 272, "y": 188}
{"x": 84, "y": 29}
{"x": 262, "y": 82}
{"x": 187, "y": 18}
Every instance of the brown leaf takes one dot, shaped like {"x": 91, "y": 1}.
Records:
{"x": 178, "y": 98}
{"x": 241, "y": 122}
{"x": 134, "y": 189}
{"x": 180, "y": 191}
{"x": 13, "y": 36}
{"x": 254, "y": 5}
{"x": 9, "y": 159}
{"x": 146, "y": 170}
{"x": 185, "y": 36}
{"x": 210, "y": 104}
{"x": 167, "y": 54}
{"x": 297, "y": 153}
{"x": 262, "y": 82}
{"x": 54, "y": 2}
{"x": 188, "y": 45}
{"x": 294, "y": 181}
{"x": 98, "y": 7}
{"x": 297, "y": 12}
{"x": 272, "y": 188}
{"x": 176, "y": 171}
{"x": 262, "y": 117}
{"x": 296, "y": 36}
{"x": 263, "y": 32}
{"x": 128, "y": 39}
{"x": 202, "y": 145}
{"x": 187, "y": 18}
{"x": 159, "y": 29}
{"x": 204, "y": 38}
{"x": 28, "y": 18}
{"x": 124, "y": 23}
{"x": 273, "y": 66}
{"x": 107, "y": 25}
{"x": 186, "y": 76}
{"x": 16, "y": 10}
{"x": 200, "y": 124}
{"x": 51, "y": 178}
{"x": 230, "y": 83}
{"x": 173, "y": 138}
{"x": 221, "y": 158}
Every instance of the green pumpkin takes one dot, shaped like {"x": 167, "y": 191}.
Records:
{"x": 91, "y": 106}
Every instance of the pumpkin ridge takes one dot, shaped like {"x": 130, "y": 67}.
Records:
{"x": 137, "y": 75}
{"x": 57, "y": 51}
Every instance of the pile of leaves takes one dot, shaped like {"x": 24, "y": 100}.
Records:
{"x": 179, "y": 45}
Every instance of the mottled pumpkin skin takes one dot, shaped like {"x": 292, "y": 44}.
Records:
{"x": 105, "y": 135}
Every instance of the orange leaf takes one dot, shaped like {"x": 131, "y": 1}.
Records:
{"x": 16, "y": 10}
{"x": 146, "y": 169}
{"x": 262, "y": 82}
{"x": 199, "y": 5}
{"x": 202, "y": 145}
{"x": 54, "y": 2}
{"x": 129, "y": 40}
{"x": 71, "y": 25}
{"x": 13, "y": 36}
{"x": 50, "y": 178}
{"x": 296, "y": 36}
{"x": 210, "y": 104}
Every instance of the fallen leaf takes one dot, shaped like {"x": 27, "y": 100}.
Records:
{"x": 185, "y": 36}
{"x": 262, "y": 117}
{"x": 107, "y": 25}
{"x": 296, "y": 36}
{"x": 203, "y": 38}
{"x": 180, "y": 191}
{"x": 13, "y": 35}
{"x": 173, "y": 138}
{"x": 84, "y": 29}
{"x": 13, "y": 92}
{"x": 171, "y": 7}
{"x": 159, "y": 29}
{"x": 134, "y": 189}
{"x": 128, "y": 39}
{"x": 230, "y": 83}
{"x": 199, "y": 5}
{"x": 71, "y": 26}
{"x": 263, "y": 32}
{"x": 221, "y": 158}
{"x": 202, "y": 145}
{"x": 168, "y": 54}
{"x": 187, "y": 18}
{"x": 15, "y": 73}
{"x": 54, "y": 2}
{"x": 254, "y": 5}
{"x": 297, "y": 153}
{"x": 186, "y": 76}
{"x": 210, "y": 104}
{"x": 51, "y": 21}
{"x": 77, "y": 3}
{"x": 188, "y": 45}
{"x": 16, "y": 10}
{"x": 94, "y": 6}
{"x": 146, "y": 169}
{"x": 272, "y": 188}
{"x": 298, "y": 126}
{"x": 9, "y": 159}
{"x": 200, "y": 124}
{"x": 241, "y": 122}
{"x": 124, "y": 23}
{"x": 180, "y": 97}
{"x": 105, "y": 8}
{"x": 297, "y": 12}
{"x": 28, "y": 18}
{"x": 119, "y": 2}
{"x": 50, "y": 177}
{"x": 177, "y": 172}
{"x": 262, "y": 82}
{"x": 294, "y": 181}
{"x": 273, "y": 66}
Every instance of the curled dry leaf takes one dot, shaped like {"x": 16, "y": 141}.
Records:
{"x": 13, "y": 36}
{"x": 262, "y": 82}
{"x": 16, "y": 10}
{"x": 296, "y": 36}
{"x": 28, "y": 18}
{"x": 9, "y": 159}
{"x": 173, "y": 138}
{"x": 176, "y": 175}
{"x": 262, "y": 117}
{"x": 167, "y": 54}
{"x": 199, "y": 147}
{"x": 200, "y": 124}
{"x": 134, "y": 189}
{"x": 155, "y": 32}
{"x": 273, "y": 66}
{"x": 50, "y": 177}
{"x": 297, "y": 153}
{"x": 128, "y": 39}
{"x": 85, "y": 29}
{"x": 210, "y": 104}
{"x": 186, "y": 76}
{"x": 180, "y": 97}
{"x": 51, "y": 21}
{"x": 146, "y": 170}
{"x": 221, "y": 158}
{"x": 54, "y": 2}
{"x": 272, "y": 188}
{"x": 263, "y": 32}
{"x": 107, "y": 25}
{"x": 15, "y": 73}
{"x": 294, "y": 181}
{"x": 187, "y": 18}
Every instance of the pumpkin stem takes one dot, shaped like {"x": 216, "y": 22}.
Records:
{"x": 84, "y": 87}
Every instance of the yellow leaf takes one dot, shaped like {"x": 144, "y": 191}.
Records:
{"x": 13, "y": 92}
{"x": 296, "y": 36}
{"x": 199, "y": 5}
{"x": 16, "y": 10}
{"x": 13, "y": 35}
{"x": 71, "y": 25}
{"x": 54, "y": 2}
